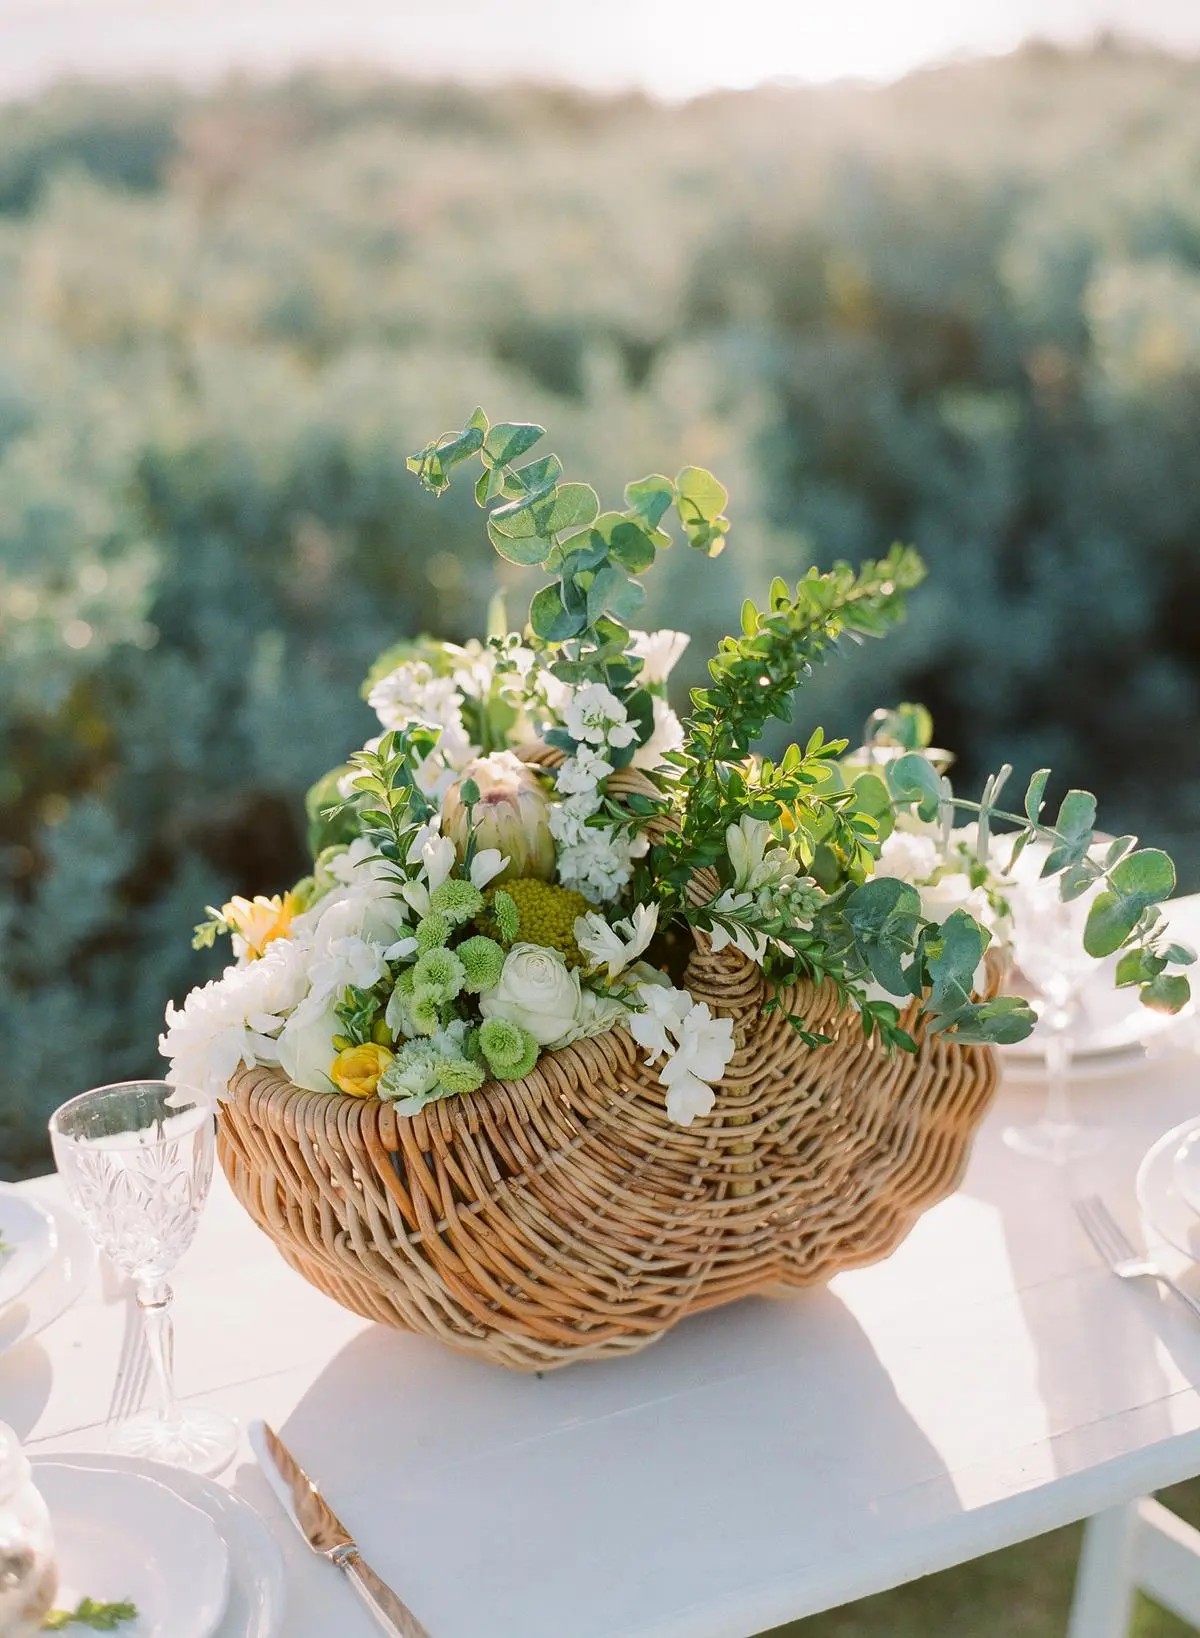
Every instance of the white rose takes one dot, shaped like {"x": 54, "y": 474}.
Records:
{"x": 538, "y": 991}
{"x": 305, "y": 1044}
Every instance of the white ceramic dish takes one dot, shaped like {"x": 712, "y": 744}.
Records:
{"x": 1164, "y": 1208}
{"x": 28, "y": 1232}
{"x": 1112, "y": 1021}
{"x": 1109, "y": 1066}
{"x": 123, "y": 1535}
{"x": 257, "y": 1589}
{"x": 64, "y": 1279}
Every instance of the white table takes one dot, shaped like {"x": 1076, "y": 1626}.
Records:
{"x": 989, "y": 1382}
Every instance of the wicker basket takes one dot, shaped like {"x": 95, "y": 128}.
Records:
{"x": 563, "y": 1216}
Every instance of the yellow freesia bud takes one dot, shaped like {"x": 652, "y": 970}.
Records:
{"x": 357, "y": 1069}
{"x": 260, "y": 920}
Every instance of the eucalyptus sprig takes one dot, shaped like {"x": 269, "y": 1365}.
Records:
{"x": 1132, "y": 882}
{"x": 581, "y": 617}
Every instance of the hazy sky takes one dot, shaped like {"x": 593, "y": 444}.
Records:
{"x": 673, "y": 47}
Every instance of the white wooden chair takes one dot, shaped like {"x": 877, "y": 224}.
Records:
{"x": 1139, "y": 1544}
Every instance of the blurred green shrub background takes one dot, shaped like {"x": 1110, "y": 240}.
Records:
{"x": 962, "y": 311}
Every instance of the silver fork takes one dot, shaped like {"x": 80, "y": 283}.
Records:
{"x": 133, "y": 1367}
{"x": 1110, "y": 1240}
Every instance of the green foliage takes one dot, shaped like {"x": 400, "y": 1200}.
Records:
{"x": 753, "y": 678}
{"x": 89, "y": 1613}
{"x": 949, "y": 311}
{"x": 538, "y": 520}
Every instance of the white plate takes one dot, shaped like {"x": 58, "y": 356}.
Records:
{"x": 1111, "y": 1021}
{"x": 65, "y": 1277}
{"x": 1163, "y": 1206}
{"x": 30, "y": 1236}
{"x": 1099, "y": 1066}
{"x": 126, "y": 1535}
{"x": 257, "y": 1588}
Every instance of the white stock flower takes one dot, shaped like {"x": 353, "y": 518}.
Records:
{"x": 536, "y": 990}
{"x": 580, "y": 774}
{"x": 618, "y": 944}
{"x": 568, "y": 820}
{"x": 411, "y": 694}
{"x": 593, "y": 713}
{"x": 600, "y": 863}
{"x": 659, "y": 652}
{"x": 667, "y": 735}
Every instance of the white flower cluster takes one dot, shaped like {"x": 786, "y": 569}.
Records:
{"x": 914, "y": 853}
{"x": 595, "y": 859}
{"x": 280, "y": 1008}
{"x": 940, "y": 869}
{"x": 697, "y": 1047}
{"x": 415, "y": 693}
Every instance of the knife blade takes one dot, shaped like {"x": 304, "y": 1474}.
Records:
{"x": 325, "y": 1533}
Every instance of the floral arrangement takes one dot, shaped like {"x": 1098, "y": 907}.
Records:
{"x": 527, "y": 853}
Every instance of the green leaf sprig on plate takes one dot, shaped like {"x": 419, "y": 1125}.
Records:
{"x": 89, "y": 1613}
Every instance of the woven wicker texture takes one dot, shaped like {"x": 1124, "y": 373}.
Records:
{"x": 563, "y": 1216}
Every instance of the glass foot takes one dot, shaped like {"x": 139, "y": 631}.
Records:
{"x": 202, "y": 1441}
{"x": 1056, "y": 1141}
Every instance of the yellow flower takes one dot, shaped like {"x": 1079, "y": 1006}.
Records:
{"x": 357, "y": 1069}
{"x": 548, "y": 914}
{"x": 258, "y": 921}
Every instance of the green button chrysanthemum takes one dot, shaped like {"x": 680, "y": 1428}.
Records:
{"x": 483, "y": 962}
{"x": 425, "y": 1011}
{"x": 505, "y": 915}
{"x": 441, "y": 973}
{"x": 457, "y": 1075}
{"x": 510, "y": 1050}
{"x": 432, "y": 932}
{"x": 456, "y": 900}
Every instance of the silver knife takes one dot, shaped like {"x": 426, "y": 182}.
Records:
{"x": 326, "y": 1534}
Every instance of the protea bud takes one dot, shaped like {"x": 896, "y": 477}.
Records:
{"x": 512, "y": 813}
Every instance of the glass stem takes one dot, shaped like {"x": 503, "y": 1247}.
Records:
{"x": 154, "y": 1300}
{"x": 1058, "y": 1070}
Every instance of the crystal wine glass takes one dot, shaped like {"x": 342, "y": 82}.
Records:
{"x": 1048, "y": 944}
{"x": 137, "y": 1161}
